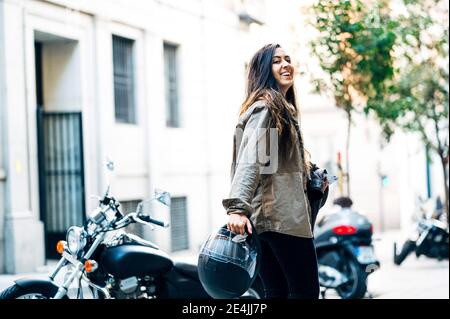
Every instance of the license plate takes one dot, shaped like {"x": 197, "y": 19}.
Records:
{"x": 365, "y": 254}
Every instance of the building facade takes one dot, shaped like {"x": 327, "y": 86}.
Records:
{"x": 156, "y": 87}
{"x": 139, "y": 82}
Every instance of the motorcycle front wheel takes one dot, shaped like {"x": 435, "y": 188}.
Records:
{"x": 37, "y": 292}
{"x": 356, "y": 286}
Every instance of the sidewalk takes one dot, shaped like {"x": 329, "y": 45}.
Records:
{"x": 416, "y": 278}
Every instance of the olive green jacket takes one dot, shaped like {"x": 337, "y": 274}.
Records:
{"x": 268, "y": 189}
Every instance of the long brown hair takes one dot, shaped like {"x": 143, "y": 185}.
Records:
{"x": 261, "y": 85}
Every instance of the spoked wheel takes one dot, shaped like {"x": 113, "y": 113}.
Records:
{"x": 356, "y": 286}
{"x": 38, "y": 292}
{"x": 32, "y": 295}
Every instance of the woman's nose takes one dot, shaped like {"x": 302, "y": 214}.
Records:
{"x": 285, "y": 63}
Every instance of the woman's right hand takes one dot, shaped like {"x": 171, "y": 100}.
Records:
{"x": 237, "y": 222}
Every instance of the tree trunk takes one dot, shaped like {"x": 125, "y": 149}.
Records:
{"x": 444, "y": 168}
{"x": 441, "y": 147}
{"x": 347, "y": 153}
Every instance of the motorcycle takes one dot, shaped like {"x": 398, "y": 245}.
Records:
{"x": 430, "y": 235}
{"x": 109, "y": 263}
{"x": 345, "y": 253}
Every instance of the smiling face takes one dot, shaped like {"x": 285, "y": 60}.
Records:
{"x": 283, "y": 70}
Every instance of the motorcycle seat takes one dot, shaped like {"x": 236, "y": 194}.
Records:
{"x": 187, "y": 269}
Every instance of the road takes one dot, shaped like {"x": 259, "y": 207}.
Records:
{"x": 416, "y": 278}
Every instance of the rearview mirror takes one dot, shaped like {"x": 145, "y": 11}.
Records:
{"x": 109, "y": 164}
{"x": 162, "y": 197}
{"x": 145, "y": 206}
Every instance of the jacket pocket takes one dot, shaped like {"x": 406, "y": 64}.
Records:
{"x": 288, "y": 207}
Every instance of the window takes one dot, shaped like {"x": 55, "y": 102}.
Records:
{"x": 171, "y": 85}
{"x": 123, "y": 66}
{"x": 179, "y": 224}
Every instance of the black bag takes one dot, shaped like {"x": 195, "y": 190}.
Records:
{"x": 316, "y": 197}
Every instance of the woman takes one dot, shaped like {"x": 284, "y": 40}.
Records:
{"x": 271, "y": 190}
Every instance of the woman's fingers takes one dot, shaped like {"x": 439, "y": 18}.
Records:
{"x": 249, "y": 226}
{"x": 231, "y": 223}
{"x": 237, "y": 222}
{"x": 325, "y": 184}
{"x": 233, "y": 226}
{"x": 239, "y": 227}
{"x": 242, "y": 227}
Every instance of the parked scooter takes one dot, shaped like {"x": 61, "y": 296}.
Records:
{"x": 114, "y": 264}
{"x": 345, "y": 252}
{"x": 430, "y": 235}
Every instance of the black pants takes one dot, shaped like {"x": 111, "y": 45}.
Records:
{"x": 288, "y": 267}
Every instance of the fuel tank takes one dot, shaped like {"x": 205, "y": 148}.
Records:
{"x": 135, "y": 260}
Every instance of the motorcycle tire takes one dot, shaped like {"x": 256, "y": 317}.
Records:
{"x": 356, "y": 287}
{"x": 37, "y": 292}
{"x": 408, "y": 247}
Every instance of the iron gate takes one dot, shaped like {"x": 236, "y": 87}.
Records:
{"x": 61, "y": 174}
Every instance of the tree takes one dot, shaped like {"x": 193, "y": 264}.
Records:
{"x": 416, "y": 99}
{"x": 354, "y": 49}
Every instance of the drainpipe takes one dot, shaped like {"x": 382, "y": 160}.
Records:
{"x": 2, "y": 219}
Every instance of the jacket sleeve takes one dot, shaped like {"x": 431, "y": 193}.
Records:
{"x": 246, "y": 170}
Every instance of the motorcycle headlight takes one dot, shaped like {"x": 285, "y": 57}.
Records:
{"x": 76, "y": 239}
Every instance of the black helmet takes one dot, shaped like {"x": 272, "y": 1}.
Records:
{"x": 229, "y": 263}
{"x": 343, "y": 201}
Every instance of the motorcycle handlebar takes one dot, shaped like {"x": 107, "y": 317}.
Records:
{"x": 148, "y": 219}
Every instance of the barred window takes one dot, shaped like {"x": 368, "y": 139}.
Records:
{"x": 179, "y": 224}
{"x": 171, "y": 85}
{"x": 123, "y": 65}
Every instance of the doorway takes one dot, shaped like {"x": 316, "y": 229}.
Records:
{"x": 59, "y": 137}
